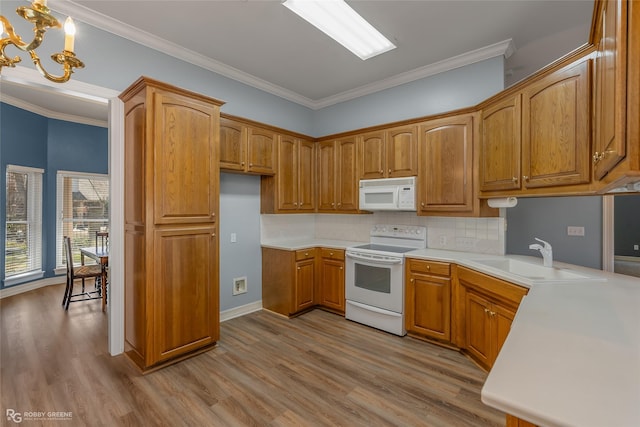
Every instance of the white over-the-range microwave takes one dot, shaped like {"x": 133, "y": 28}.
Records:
{"x": 388, "y": 194}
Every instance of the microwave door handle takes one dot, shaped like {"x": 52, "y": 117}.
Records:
{"x": 378, "y": 261}
{"x": 396, "y": 197}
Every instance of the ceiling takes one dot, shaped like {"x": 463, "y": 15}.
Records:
{"x": 264, "y": 44}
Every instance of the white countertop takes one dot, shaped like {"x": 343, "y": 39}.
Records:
{"x": 572, "y": 356}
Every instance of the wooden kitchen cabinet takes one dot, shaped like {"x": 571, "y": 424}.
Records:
{"x": 337, "y": 176}
{"x": 428, "y": 299}
{"x": 486, "y": 309}
{"x": 537, "y": 141}
{"x": 292, "y": 189}
{"x": 447, "y": 168}
{"x": 246, "y": 147}
{"x": 389, "y": 153}
{"x": 556, "y": 123}
{"x": 288, "y": 280}
{"x": 171, "y": 249}
{"x": 616, "y": 153}
{"x": 331, "y": 284}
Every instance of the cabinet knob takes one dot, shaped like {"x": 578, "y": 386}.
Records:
{"x": 306, "y": 254}
{"x": 213, "y": 214}
{"x": 389, "y": 170}
{"x": 486, "y": 310}
{"x": 213, "y": 234}
{"x": 295, "y": 203}
{"x": 330, "y": 253}
{"x": 332, "y": 204}
{"x": 422, "y": 204}
{"x": 340, "y": 268}
{"x": 339, "y": 204}
{"x": 412, "y": 280}
{"x": 250, "y": 165}
{"x": 241, "y": 163}
{"x": 298, "y": 268}
{"x": 515, "y": 180}
{"x": 492, "y": 313}
{"x": 381, "y": 172}
{"x": 428, "y": 267}
{"x": 525, "y": 178}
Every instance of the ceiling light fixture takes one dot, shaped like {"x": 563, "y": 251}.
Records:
{"x": 343, "y": 24}
{"x": 38, "y": 14}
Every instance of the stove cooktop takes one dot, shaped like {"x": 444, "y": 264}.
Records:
{"x": 384, "y": 248}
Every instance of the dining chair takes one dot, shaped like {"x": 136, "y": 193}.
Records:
{"x": 79, "y": 272}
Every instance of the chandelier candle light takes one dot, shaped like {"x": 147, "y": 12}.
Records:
{"x": 40, "y": 16}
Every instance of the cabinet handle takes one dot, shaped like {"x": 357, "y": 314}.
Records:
{"x": 515, "y": 180}
{"x": 525, "y": 178}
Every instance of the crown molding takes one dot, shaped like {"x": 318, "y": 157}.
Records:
{"x": 503, "y": 48}
{"x": 36, "y": 109}
{"x": 106, "y": 23}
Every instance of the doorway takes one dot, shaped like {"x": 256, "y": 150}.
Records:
{"x": 621, "y": 234}
{"x": 31, "y": 78}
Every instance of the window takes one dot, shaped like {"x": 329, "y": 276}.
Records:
{"x": 23, "y": 244}
{"x": 83, "y": 209}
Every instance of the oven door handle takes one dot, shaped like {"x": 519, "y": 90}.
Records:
{"x": 376, "y": 260}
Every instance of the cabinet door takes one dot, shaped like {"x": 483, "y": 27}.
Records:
{"x": 372, "y": 153}
{"x": 332, "y": 284}
{"x": 446, "y": 161}
{"x": 347, "y": 191}
{"x": 478, "y": 328}
{"x": 327, "y": 176}
{"x": 500, "y": 145}
{"x": 429, "y": 306}
{"x": 402, "y": 151}
{"x": 185, "y": 290}
{"x": 287, "y": 176}
{"x": 556, "y": 129}
{"x": 185, "y": 167}
{"x": 305, "y": 279}
{"x": 610, "y": 88}
{"x": 261, "y": 151}
{"x": 306, "y": 176}
{"x": 502, "y": 318}
{"x": 233, "y": 143}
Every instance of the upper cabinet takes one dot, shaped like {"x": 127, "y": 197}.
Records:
{"x": 295, "y": 175}
{"x": 389, "y": 153}
{"x": 539, "y": 139}
{"x": 445, "y": 156}
{"x": 337, "y": 176}
{"x": 616, "y": 153}
{"x": 246, "y": 148}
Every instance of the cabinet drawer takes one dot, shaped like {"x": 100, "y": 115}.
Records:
{"x": 305, "y": 254}
{"x": 332, "y": 253}
{"x": 430, "y": 267}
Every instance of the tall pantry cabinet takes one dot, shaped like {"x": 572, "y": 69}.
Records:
{"x": 171, "y": 212}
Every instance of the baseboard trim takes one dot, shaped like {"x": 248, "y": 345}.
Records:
{"x": 240, "y": 311}
{"x": 30, "y": 286}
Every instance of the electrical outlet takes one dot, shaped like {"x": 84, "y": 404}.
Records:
{"x": 575, "y": 231}
{"x": 234, "y": 237}
{"x": 443, "y": 240}
{"x": 239, "y": 285}
{"x": 636, "y": 247}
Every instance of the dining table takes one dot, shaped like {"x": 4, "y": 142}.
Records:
{"x": 99, "y": 254}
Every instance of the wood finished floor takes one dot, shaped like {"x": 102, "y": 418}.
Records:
{"x": 315, "y": 370}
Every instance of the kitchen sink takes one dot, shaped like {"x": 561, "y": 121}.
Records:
{"x": 534, "y": 273}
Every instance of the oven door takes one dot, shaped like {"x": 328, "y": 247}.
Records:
{"x": 377, "y": 282}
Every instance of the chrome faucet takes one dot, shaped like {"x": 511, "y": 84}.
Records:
{"x": 546, "y": 251}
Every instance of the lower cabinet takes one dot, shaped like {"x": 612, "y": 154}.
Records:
{"x": 296, "y": 281}
{"x": 486, "y": 309}
{"x": 330, "y": 286}
{"x": 428, "y": 299}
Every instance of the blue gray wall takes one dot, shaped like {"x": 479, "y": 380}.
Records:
{"x": 548, "y": 218}
{"x": 28, "y": 139}
{"x": 458, "y": 88}
{"x": 240, "y": 214}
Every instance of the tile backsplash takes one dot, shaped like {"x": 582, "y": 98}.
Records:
{"x": 480, "y": 235}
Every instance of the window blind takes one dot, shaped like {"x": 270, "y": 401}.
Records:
{"x": 23, "y": 237}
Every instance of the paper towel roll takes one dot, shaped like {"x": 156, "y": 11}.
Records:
{"x": 503, "y": 202}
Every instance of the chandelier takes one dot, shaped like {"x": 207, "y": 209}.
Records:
{"x": 39, "y": 15}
